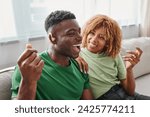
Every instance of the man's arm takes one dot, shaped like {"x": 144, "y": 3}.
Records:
{"x": 30, "y": 66}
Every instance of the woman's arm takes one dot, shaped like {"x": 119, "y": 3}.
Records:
{"x": 82, "y": 64}
{"x": 87, "y": 94}
{"x": 131, "y": 59}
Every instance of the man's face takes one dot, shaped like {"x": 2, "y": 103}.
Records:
{"x": 68, "y": 38}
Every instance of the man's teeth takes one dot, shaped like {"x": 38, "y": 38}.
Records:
{"x": 77, "y": 45}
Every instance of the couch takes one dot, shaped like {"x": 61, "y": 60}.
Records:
{"x": 141, "y": 70}
{"x": 5, "y": 83}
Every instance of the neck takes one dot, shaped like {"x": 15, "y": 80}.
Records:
{"x": 59, "y": 59}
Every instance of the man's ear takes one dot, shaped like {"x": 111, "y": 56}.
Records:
{"x": 52, "y": 38}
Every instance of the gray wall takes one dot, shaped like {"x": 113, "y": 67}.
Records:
{"x": 130, "y": 31}
{"x": 10, "y": 51}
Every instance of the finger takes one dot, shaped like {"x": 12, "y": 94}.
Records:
{"x": 36, "y": 60}
{"x": 25, "y": 55}
{"x": 136, "y": 54}
{"x": 126, "y": 58}
{"x": 85, "y": 67}
{"x": 31, "y": 58}
{"x": 28, "y": 46}
{"x": 40, "y": 65}
{"x": 130, "y": 56}
{"x": 132, "y": 61}
{"x": 139, "y": 51}
{"x": 80, "y": 66}
{"x": 28, "y": 60}
{"x": 136, "y": 61}
{"x": 133, "y": 54}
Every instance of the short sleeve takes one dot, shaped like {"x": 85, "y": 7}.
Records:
{"x": 121, "y": 68}
{"x": 16, "y": 78}
{"x": 85, "y": 76}
{"x": 86, "y": 84}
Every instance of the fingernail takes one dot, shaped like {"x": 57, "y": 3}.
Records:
{"x": 86, "y": 72}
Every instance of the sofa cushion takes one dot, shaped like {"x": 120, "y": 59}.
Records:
{"x": 143, "y": 67}
{"x": 5, "y": 83}
{"x": 142, "y": 85}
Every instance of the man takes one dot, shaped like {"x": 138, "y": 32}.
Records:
{"x": 54, "y": 74}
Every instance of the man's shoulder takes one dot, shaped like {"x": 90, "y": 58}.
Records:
{"x": 74, "y": 62}
{"x": 43, "y": 54}
{"x": 77, "y": 66}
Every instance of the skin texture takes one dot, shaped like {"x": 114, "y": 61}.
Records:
{"x": 64, "y": 38}
{"x": 30, "y": 65}
{"x": 96, "y": 40}
{"x": 131, "y": 59}
{"x": 96, "y": 43}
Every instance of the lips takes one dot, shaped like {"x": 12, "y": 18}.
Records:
{"x": 92, "y": 45}
{"x": 76, "y": 47}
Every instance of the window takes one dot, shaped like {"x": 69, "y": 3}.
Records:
{"x": 7, "y": 23}
{"x": 41, "y": 8}
{"x": 126, "y": 12}
{"x": 25, "y": 18}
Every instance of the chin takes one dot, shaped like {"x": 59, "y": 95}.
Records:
{"x": 75, "y": 56}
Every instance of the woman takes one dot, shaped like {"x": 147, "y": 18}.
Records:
{"x": 109, "y": 77}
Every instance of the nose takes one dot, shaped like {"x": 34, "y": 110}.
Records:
{"x": 94, "y": 39}
{"x": 79, "y": 38}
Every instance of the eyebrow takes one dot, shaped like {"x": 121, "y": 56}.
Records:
{"x": 73, "y": 29}
{"x": 99, "y": 34}
{"x": 102, "y": 34}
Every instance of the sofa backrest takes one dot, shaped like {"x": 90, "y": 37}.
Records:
{"x": 5, "y": 83}
{"x": 143, "y": 67}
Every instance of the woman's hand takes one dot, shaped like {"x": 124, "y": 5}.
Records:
{"x": 132, "y": 58}
{"x": 82, "y": 64}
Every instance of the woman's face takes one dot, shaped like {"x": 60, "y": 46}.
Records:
{"x": 96, "y": 40}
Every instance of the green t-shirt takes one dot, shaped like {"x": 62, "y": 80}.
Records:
{"x": 104, "y": 72}
{"x": 56, "y": 82}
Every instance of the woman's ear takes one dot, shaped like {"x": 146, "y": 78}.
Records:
{"x": 52, "y": 38}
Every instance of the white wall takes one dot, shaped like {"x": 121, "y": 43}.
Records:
{"x": 10, "y": 51}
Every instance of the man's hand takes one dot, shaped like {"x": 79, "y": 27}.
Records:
{"x": 82, "y": 64}
{"x": 30, "y": 65}
{"x": 132, "y": 58}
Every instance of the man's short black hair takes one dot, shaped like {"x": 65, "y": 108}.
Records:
{"x": 56, "y": 17}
